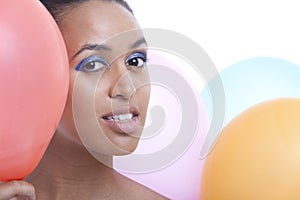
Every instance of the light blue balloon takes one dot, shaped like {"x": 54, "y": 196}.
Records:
{"x": 252, "y": 81}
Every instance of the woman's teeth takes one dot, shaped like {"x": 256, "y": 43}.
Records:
{"x": 122, "y": 117}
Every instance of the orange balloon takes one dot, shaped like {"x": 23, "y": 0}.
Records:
{"x": 34, "y": 81}
{"x": 257, "y": 156}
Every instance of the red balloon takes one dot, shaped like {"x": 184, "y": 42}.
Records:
{"x": 34, "y": 81}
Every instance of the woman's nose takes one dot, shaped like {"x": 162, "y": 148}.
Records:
{"x": 122, "y": 85}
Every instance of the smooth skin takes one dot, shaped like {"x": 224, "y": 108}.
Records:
{"x": 68, "y": 170}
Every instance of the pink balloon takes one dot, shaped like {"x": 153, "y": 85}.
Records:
{"x": 180, "y": 179}
{"x": 33, "y": 83}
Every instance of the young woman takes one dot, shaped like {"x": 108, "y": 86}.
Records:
{"x": 105, "y": 111}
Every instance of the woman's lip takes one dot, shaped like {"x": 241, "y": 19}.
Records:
{"x": 123, "y": 126}
{"x": 121, "y": 111}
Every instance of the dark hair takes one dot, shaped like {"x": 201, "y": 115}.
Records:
{"x": 57, "y": 8}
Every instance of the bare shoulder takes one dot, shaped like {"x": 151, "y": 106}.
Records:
{"x": 133, "y": 190}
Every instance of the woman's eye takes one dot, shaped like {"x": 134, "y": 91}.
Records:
{"x": 92, "y": 64}
{"x": 138, "y": 60}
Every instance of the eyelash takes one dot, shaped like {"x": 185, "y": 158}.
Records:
{"x": 82, "y": 66}
{"x": 133, "y": 60}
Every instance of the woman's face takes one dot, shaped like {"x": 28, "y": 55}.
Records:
{"x": 109, "y": 83}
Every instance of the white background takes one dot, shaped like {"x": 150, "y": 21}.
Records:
{"x": 229, "y": 30}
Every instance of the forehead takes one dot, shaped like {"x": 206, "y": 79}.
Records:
{"x": 95, "y": 22}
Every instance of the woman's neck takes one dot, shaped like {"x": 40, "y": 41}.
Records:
{"x": 69, "y": 171}
{"x": 67, "y": 167}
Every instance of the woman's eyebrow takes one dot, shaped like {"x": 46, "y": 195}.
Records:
{"x": 98, "y": 47}
{"x": 91, "y": 47}
{"x": 138, "y": 43}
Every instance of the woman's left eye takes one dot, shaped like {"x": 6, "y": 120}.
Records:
{"x": 138, "y": 60}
